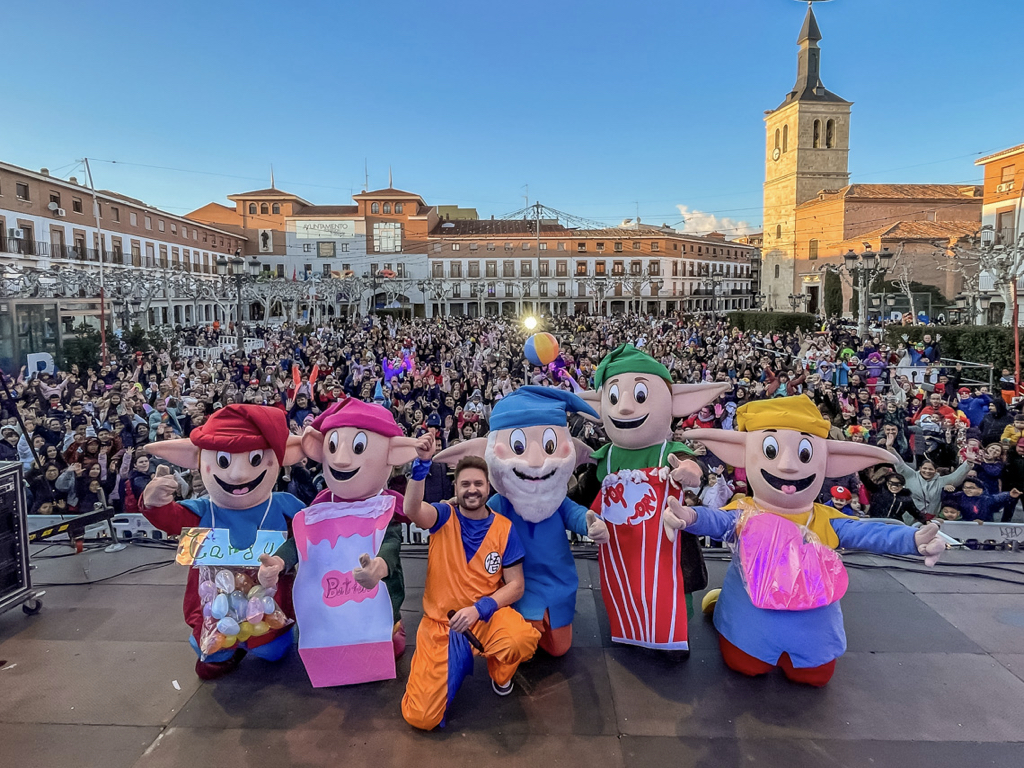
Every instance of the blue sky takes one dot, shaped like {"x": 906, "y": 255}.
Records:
{"x": 600, "y": 107}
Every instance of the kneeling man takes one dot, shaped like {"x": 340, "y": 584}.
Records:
{"x": 474, "y": 573}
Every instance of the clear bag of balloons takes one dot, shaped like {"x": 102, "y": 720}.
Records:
{"x": 235, "y": 608}
{"x": 784, "y": 566}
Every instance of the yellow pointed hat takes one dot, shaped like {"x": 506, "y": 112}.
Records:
{"x": 797, "y": 412}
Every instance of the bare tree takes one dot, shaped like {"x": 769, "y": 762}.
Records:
{"x": 1002, "y": 264}
{"x": 903, "y": 273}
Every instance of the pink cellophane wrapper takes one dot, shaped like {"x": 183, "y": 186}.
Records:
{"x": 784, "y": 566}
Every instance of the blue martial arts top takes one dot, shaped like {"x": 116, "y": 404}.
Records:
{"x": 548, "y": 568}
{"x": 270, "y": 515}
{"x": 813, "y": 637}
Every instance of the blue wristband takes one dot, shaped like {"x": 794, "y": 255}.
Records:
{"x": 421, "y": 468}
{"x": 486, "y": 606}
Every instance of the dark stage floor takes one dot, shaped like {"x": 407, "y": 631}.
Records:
{"x": 934, "y": 677}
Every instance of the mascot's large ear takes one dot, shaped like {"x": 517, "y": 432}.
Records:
{"x": 401, "y": 450}
{"x": 846, "y": 458}
{"x": 293, "y": 453}
{"x": 726, "y": 444}
{"x": 312, "y": 442}
{"x": 179, "y": 452}
{"x": 690, "y": 398}
{"x": 583, "y": 452}
{"x": 475, "y": 447}
{"x": 591, "y": 397}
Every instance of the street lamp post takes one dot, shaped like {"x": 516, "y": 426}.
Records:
{"x": 797, "y": 300}
{"x": 863, "y": 268}
{"x": 236, "y": 264}
{"x": 713, "y": 282}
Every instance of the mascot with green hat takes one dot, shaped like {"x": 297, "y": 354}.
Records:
{"x": 530, "y": 457}
{"x": 643, "y": 573}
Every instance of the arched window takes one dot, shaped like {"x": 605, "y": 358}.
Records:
{"x": 252, "y": 208}
{"x": 398, "y": 207}
{"x": 276, "y": 208}
{"x": 778, "y": 231}
{"x": 374, "y": 207}
{"x": 812, "y": 250}
{"x": 785, "y": 138}
{"x": 817, "y": 135}
{"x": 830, "y": 134}
{"x": 264, "y": 208}
{"x": 387, "y": 207}
{"x": 778, "y": 133}
{"x": 776, "y": 271}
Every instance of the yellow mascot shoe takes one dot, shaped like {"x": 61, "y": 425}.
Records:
{"x": 707, "y": 605}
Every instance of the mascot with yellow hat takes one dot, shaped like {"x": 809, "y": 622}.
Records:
{"x": 779, "y": 603}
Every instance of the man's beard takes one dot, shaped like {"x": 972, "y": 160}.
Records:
{"x": 534, "y": 501}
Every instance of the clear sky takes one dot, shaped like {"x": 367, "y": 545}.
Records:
{"x": 602, "y": 108}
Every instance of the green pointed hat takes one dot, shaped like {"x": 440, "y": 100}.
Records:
{"x": 628, "y": 359}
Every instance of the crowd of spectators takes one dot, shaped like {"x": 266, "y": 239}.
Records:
{"x": 957, "y": 447}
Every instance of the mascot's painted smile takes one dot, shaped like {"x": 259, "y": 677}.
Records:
{"x": 241, "y": 489}
{"x": 788, "y": 486}
{"x": 629, "y": 423}
{"x": 531, "y": 478}
{"x": 342, "y": 476}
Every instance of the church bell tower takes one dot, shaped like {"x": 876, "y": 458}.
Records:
{"x": 807, "y": 143}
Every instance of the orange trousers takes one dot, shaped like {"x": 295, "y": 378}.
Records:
{"x": 555, "y": 642}
{"x": 508, "y": 640}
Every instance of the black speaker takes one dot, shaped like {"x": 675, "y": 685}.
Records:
{"x": 14, "y": 577}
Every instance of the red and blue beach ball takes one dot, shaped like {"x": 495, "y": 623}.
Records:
{"x": 541, "y": 349}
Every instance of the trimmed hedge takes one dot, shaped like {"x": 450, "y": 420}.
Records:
{"x": 972, "y": 343}
{"x": 782, "y": 322}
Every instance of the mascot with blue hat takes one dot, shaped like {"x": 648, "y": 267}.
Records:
{"x": 530, "y": 456}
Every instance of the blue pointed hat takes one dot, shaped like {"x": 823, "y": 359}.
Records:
{"x": 378, "y": 394}
{"x": 533, "y": 406}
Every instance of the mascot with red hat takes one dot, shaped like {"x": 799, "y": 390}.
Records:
{"x": 238, "y": 451}
{"x": 349, "y": 586}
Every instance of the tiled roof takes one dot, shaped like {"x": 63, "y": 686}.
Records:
{"x": 327, "y": 210}
{"x": 901, "y": 192}
{"x": 389, "y": 192}
{"x": 1000, "y": 153}
{"x": 484, "y": 227}
{"x": 923, "y": 230}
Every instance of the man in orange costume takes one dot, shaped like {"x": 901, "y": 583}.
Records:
{"x": 474, "y": 573}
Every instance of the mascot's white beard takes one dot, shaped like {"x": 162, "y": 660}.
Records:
{"x": 534, "y": 501}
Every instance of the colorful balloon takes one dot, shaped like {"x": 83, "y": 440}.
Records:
{"x": 269, "y": 606}
{"x": 239, "y": 603}
{"x": 257, "y": 591}
{"x": 221, "y": 606}
{"x": 244, "y": 631}
{"x": 227, "y": 626}
{"x": 276, "y": 620}
{"x": 207, "y": 610}
{"x": 260, "y": 628}
{"x": 243, "y": 582}
{"x": 207, "y": 591}
{"x": 254, "y": 610}
{"x": 541, "y": 349}
{"x": 228, "y": 642}
{"x": 225, "y": 581}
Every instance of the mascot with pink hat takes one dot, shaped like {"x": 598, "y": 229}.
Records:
{"x": 348, "y": 587}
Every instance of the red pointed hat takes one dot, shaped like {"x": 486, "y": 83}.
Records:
{"x": 240, "y": 428}
{"x": 355, "y": 413}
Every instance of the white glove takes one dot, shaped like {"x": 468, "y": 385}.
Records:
{"x": 597, "y": 529}
{"x": 676, "y": 517}
{"x": 929, "y": 544}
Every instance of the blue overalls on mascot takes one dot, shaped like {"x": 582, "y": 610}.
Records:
{"x": 238, "y": 452}
{"x": 779, "y": 603}
{"x": 530, "y": 457}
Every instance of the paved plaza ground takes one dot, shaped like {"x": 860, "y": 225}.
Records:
{"x": 934, "y": 677}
